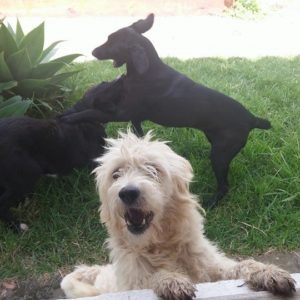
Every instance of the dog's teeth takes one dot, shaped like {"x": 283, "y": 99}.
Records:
{"x": 144, "y": 221}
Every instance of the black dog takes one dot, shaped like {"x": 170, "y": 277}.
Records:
{"x": 30, "y": 148}
{"x": 154, "y": 91}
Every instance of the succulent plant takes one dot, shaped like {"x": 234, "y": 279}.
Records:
{"x": 24, "y": 60}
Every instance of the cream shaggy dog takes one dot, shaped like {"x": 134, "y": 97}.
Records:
{"x": 155, "y": 225}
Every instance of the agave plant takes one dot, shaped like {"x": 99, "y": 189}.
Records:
{"x": 24, "y": 60}
{"x": 14, "y": 106}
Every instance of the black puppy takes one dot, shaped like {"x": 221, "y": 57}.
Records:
{"x": 154, "y": 91}
{"x": 30, "y": 148}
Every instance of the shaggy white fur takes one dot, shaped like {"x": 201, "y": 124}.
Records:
{"x": 155, "y": 225}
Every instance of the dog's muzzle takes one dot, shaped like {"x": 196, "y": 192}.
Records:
{"x": 101, "y": 53}
{"x": 137, "y": 220}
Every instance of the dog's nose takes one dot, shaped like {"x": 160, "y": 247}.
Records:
{"x": 129, "y": 194}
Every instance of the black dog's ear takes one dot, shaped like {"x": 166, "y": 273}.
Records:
{"x": 139, "y": 59}
{"x": 143, "y": 25}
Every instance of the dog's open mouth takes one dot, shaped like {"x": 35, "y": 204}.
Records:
{"x": 138, "y": 221}
{"x": 117, "y": 63}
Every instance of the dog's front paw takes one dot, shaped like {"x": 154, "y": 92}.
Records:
{"x": 176, "y": 289}
{"x": 274, "y": 280}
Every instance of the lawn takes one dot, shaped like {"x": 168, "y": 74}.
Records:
{"x": 261, "y": 211}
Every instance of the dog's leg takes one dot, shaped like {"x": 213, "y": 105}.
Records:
{"x": 22, "y": 176}
{"x": 263, "y": 277}
{"x": 137, "y": 128}
{"x": 89, "y": 281}
{"x": 172, "y": 285}
{"x": 6, "y": 202}
{"x": 223, "y": 149}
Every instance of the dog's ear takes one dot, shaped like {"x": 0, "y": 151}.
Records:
{"x": 139, "y": 59}
{"x": 143, "y": 25}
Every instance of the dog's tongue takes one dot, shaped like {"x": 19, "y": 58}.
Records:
{"x": 136, "y": 216}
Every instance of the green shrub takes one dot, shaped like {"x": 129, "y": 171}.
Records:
{"x": 250, "y": 6}
{"x": 245, "y": 8}
{"x": 24, "y": 60}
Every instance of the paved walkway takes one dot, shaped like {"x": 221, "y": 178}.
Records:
{"x": 183, "y": 36}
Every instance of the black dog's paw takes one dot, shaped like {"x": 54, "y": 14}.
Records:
{"x": 23, "y": 227}
{"x": 18, "y": 227}
{"x": 211, "y": 202}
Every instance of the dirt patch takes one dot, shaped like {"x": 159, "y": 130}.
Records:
{"x": 48, "y": 287}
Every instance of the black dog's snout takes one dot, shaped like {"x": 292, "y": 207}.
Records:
{"x": 129, "y": 194}
{"x": 94, "y": 52}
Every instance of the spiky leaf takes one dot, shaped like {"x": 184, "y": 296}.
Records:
{"x": 34, "y": 43}
{"x": 30, "y": 87}
{"x": 66, "y": 59}
{"x": 7, "y": 85}
{"x": 5, "y": 74}
{"x": 19, "y": 64}
{"x": 57, "y": 79}
{"x": 14, "y": 107}
{"x": 11, "y": 31}
{"x": 48, "y": 52}
{"x": 7, "y": 42}
{"x": 10, "y": 101}
{"x": 43, "y": 71}
{"x": 19, "y": 33}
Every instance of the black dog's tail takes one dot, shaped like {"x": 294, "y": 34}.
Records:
{"x": 261, "y": 123}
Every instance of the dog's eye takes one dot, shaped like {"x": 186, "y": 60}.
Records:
{"x": 116, "y": 174}
{"x": 152, "y": 171}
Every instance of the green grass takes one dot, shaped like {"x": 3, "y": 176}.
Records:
{"x": 261, "y": 211}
